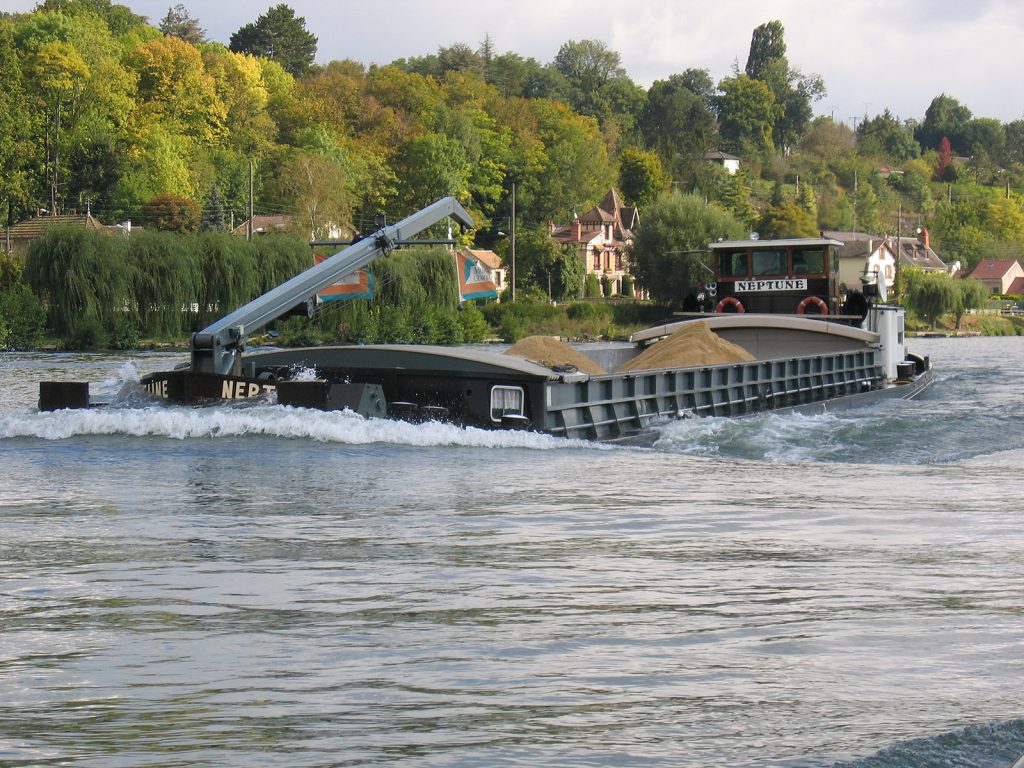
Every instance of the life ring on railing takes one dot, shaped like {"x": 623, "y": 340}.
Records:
{"x": 730, "y": 301}
{"x": 816, "y": 301}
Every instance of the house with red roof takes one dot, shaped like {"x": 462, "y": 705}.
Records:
{"x": 22, "y": 234}
{"x": 602, "y": 235}
{"x": 1001, "y": 276}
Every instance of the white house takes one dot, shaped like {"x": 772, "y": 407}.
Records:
{"x": 861, "y": 255}
{"x": 731, "y": 163}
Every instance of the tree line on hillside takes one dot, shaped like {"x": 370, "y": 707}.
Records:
{"x": 105, "y": 112}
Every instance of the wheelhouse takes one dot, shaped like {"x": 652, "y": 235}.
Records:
{"x": 796, "y": 276}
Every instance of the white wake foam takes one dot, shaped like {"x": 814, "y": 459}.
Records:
{"x": 184, "y": 423}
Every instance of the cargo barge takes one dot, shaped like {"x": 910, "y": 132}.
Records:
{"x": 807, "y": 360}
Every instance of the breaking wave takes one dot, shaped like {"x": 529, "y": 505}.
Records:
{"x": 183, "y": 423}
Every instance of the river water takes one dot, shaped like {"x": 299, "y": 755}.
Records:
{"x": 257, "y": 585}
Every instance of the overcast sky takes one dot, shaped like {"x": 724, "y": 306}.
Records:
{"x": 872, "y": 54}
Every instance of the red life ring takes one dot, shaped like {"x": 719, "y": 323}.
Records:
{"x": 819, "y": 303}
{"x": 730, "y": 301}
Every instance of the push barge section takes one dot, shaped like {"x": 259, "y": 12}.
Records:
{"x": 805, "y": 361}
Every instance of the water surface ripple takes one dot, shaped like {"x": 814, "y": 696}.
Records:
{"x": 267, "y": 586}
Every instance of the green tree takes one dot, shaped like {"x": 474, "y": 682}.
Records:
{"x": 597, "y": 81}
{"x": 278, "y": 35}
{"x": 746, "y": 113}
{"x": 668, "y": 255}
{"x": 885, "y": 138}
{"x": 807, "y": 200}
{"x": 84, "y": 279}
{"x": 515, "y": 76}
{"x": 1014, "y": 142}
{"x": 570, "y": 275}
{"x": 175, "y": 91}
{"x": 931, "y": 294}
{"x": 793, "y": 92}
{"x": 572, "y": 168}
{"x": 172, "y": 213}
{"x": 825, "y": 142}
{"x": 787, "y": 220}
{"x": 58, "y": 74}
{"x": 947, "y": 117}
{"x": 767, "y": 46}
{"x": 178, "y": 23}
{"x": 642, "y": 178}
{"x": 677, "y": 122}
{"x": 538, "y": 261}
{"x": 972, "y": 294}
{"x": 230, "y": 277}
{"x": 733, "y": 192}
{"x": 22, "y": 317}
{"x": 243, "y": 92}
{"x": 15, "y": 124}
{"x": 430, "y": 167}
{"x": 914, "y": 189}
{"x": 166, "y": 276}
{"x": 160, "y": 163}
{"x": 318, "y": 191}
{"x": 213, "y": 211}
{"x": 984, "y": 141}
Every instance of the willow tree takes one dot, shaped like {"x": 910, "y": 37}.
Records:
{"x": 278, "y": 258}
{"x": 166, "y": 275}
{"x": 415, "y": 277}
{"x": 83, "y": 277}
{"x": 931, "y": 294}
{"x": 230, "y": 278}
{"x": 415, "y": 301}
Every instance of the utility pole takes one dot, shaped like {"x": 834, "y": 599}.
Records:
{"x": 513, "y": 228}
{"x": 899, "y": 227}
{"x": 248, "y": 226}
{"x": 855, "y": 200}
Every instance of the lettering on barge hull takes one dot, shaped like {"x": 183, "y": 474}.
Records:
{"x": 756, "y": 286}
{"x": 190, "y": 387}
{"x": 157, "y": 388}
{"x": 241, "y": 390}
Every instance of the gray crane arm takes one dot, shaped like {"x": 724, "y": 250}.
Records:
{"x": 217, "y": 348}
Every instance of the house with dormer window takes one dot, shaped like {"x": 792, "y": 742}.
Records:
{"x": 1000, "y": 276}
{"x": 602, "y": 236}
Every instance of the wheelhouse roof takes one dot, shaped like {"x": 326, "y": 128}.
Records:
{"x": 735, "y": 245}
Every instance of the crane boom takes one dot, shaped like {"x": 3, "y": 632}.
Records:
{"x": 218, "y": 347}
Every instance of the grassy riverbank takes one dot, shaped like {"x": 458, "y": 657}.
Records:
{"x": 971, "y": 325}
{"x": 581, "y": 321}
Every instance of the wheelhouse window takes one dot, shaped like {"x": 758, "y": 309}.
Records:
{"x": 733, "y": 264}
{"x": 506, "y": 401}
{"x": 808, "y": 262}
{"x": 769, "y": 263}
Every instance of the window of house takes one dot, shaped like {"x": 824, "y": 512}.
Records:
{"x": 597, "y": 261}
{"x": 618, "y": 261}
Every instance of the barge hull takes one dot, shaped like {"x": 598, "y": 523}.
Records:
{"x": 468, "y": 387}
